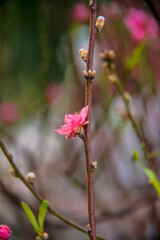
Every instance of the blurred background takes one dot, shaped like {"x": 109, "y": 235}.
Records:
{"x": 41, "y": 80}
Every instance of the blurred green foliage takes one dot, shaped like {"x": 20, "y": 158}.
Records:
{"x": 32, "y": 53}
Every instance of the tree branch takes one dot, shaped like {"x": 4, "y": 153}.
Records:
{"x": 38, "y": 196}
{"x": 88, "y": 102}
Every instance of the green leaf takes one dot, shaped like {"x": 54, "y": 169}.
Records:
{"x": 42, "y": 214}
{"x": 153, "y": 179}
{"x": 149, "y": 173}
{"x": 132, "y": 61}
{"x": 136, "y": 156}
{"x": 31, "y": 217}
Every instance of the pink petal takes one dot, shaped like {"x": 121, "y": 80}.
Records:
{"x": 83, "y": 114}
{"x": 69, "y": 118}
{"x": 70, "y": 135}
{"x": 66, "y": 129}
{"x": 4, "y": 232}
{"x": 72, "y": 122}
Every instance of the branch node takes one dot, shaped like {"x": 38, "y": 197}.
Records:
{"x": 89, "y": 75}
{"x": 91, "y": 4}
{"x": 13, "y": 172}
{"x": 93, "y": 166}
{"x": 89, "y": 229}
{"x": 10, "y": 156}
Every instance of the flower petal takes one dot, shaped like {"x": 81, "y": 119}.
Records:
{"x": 66, "y": 129}
{"x": 83, "y": 114}
{"x": 69, "y": 118}
{"x": 72, "y": 123}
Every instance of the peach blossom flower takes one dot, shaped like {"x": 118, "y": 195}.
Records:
{"x": 4, "y": 232}
{"x": 74, "y": 124}
{"x": 140, "y": 25}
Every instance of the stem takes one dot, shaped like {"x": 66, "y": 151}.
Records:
{"x": 87, "y": 142}
{"x": 134, "y": 124}
{"x": 38, "y": 196}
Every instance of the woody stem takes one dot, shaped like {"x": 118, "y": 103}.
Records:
{"x": 88, "y": 102}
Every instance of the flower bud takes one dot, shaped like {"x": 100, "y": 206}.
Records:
{"x": 111, "y": 55}
{"x": 90, "y": 74}
{"x": 127, "y": 96}
{"x": 90, "y": 3}
{"x": 38, "y": 238}
{"x": 31, "y": 177}
{"x": 93, "y": 74}
{"x": 89, "y": 229}
{"x": 45, "y": 236}
{"x": 102, "y": 55}
{"x": 112, "y": 78}
{"x": 85, "y": 74}
{"x": 105, "y": 64}
{"x": 83, "y": 54}
{"x": 13, "y": 173}
{"x": 99, "y": 23}
{"x": 93, "y": 166}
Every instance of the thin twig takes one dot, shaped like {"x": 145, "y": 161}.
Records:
{"x": 133, "y": 122}
{"x": 38, "y": 196}
{"x": 88, "y": 102}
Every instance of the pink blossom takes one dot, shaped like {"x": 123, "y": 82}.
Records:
{"x": 73, "y": 123}
{"x": 80, "y": 13}
{"x": 140, "y": 25}
{"x": 4, "y": 232}
{"x": 8, "y": 112}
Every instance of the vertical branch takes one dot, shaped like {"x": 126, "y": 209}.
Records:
{"x": 88, "y": 101}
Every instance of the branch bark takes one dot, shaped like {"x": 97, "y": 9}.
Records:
{"x": 88, "y": 102}
{"x": 38, "y": 196}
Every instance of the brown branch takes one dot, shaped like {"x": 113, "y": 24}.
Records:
{"x": 38, "y": 196}
{"x": 133, "y": 122}
{"x": 88, "y": 102}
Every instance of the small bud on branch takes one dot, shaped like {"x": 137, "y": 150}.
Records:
{"x": 13, "y": 172}
{"x": 89, "y": 229}
{"x": 112, "y": 78}
{"x": 93, "y": 166}
{"x": 89, "y": 75}
{"x": 84, "y": 54}
{"x": 99, "y": 23}
{"x": 127, "y": 96}
{"x": 31, "y": 177}
{"x": 45, "y": 236}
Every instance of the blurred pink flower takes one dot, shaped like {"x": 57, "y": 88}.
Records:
{"x": 80, "y": 13}
{"x": 4, "y": 232}
{"x": 53, "y": 92}
{"x": 8, "y": 112}
{"x": 73, "y": 124}
{"x": 140, "y": 25}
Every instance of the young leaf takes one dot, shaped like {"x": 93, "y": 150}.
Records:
{"x": 42, "y": 214}
{"x": 153, "y": 179}
{"x": 132, "y": 61}
{"x": 31, "y": 217}
{"x": 136, "y": 156}
{"x": 149, "y": 173}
